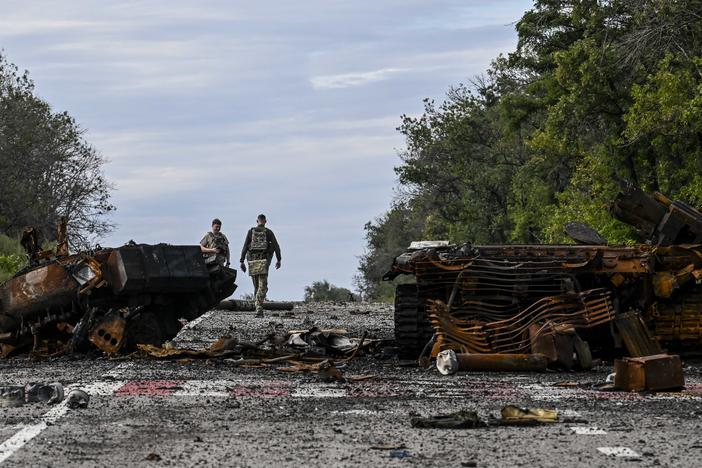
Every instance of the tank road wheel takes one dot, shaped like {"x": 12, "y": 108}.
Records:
{"x": 412, "y": 328}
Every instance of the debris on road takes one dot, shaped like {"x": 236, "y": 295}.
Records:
{"x": 459, "y": 420}
{"x": 655, "y": 373}
{"x": 511, "y": 415}
{"x": 18, "y": 395}
{"x": 298, "y": 351}
{"x": 77, "y": 399}
{"x": 509, "y": 307}
{"x": 516, "y": 416}
{"x": 49, "y": 393}
{"x": 449, "y": 362}
{"x": 112, "y": 298}
{"x": 11, "y": 396}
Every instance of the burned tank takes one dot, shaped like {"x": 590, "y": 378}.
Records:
{"x": 111, "y": 298}
{"x": 567, "y": 302}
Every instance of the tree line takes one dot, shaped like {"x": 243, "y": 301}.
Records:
{"x": 47, "y": 169}
{"x": 596, "y": 91}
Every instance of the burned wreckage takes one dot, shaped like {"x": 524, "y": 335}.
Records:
{"x": 112, "y": 298}
{"x": 529, "y": 306}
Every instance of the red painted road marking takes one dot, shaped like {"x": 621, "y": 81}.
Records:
{"x": 150, "y": 388}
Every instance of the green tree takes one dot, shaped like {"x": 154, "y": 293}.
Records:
{"x": 12, "y": 257}
{"x": 48, "y": 170}
{"x": 386, "y": 238}
{"x": 321, "y": 291}
{"x": 595, "y": 91}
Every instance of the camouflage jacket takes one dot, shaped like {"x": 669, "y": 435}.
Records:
{"x": 217, "y": 241}
{"x": 273, "y": 247}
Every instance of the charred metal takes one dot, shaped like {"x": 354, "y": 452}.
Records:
{"x": 565, "y": 302}
{"x": 113, "y": 298}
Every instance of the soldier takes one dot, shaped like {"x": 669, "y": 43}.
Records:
{"x": 259, "y": 247}
{"x": 215, "y": 245}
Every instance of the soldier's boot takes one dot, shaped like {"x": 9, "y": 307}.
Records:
{"x": 261, "y": 290}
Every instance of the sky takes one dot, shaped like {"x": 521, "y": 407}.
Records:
{"x": 229, "y": 109}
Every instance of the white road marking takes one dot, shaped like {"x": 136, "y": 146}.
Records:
{"x": 30, "y": 431}
{"x": 586, "y": 430}
{"x": 118, "y": 371}
{"x": 624, "y": 452}
{"x": 318, "y": 391}
{"x": 569, "y": 413}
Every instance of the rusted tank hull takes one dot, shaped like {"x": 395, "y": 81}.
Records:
{"x": 482, "y": 299}
{"x": 112, "y": 297}
{"x": 42, "y": 289}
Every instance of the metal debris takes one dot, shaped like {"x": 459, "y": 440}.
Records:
{"x": 112, "y": 298}
{"x": 18, "y": 395}
{"x": 517, "y": 416}
{"x": 77, "y": 399}
{"x": 566, "y": 302}
{"x": 448, "y": 362}
{"x": 654, "y": 373}
{"x": 459, "y": 420}
{"x": 11, "y": 396}
{"x": 50, "y": 393}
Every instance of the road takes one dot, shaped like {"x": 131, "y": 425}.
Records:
{"x": 209, "y": 412}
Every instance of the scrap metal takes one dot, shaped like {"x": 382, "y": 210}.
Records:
{"x": 110, "y": 297}
{"x": 513, "y": 299}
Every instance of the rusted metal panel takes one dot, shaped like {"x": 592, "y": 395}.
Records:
{"x": 151, "y": 287}
{"x": 636, "y": 336}
{"x": 512, "y": 334}
{"x": 474, "y": 291}
{"x": 657, "y": 372}
{"x": 38, "y": 290}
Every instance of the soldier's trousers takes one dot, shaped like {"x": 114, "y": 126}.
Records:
{"x": 260, "y": 283}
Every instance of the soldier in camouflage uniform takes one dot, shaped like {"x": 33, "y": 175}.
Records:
{"x": 259, "y": 247}
{"x": 215, "y": 245}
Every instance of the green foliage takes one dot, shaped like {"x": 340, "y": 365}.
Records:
{"x": 596, "y": 91}
{"x": 47, "y": 169}
{"x": 386, "y": 238}
{"x": 12, "y": 257}
{"x": 322, "y": 291}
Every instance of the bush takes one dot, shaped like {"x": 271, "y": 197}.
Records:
{"x": 12, "y": 257}
{"x": 321, "y": 291}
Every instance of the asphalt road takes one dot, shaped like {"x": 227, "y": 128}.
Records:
{"x": 211, "y": 413}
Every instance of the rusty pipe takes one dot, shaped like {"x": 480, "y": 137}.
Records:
{"x": 449, "y": 362}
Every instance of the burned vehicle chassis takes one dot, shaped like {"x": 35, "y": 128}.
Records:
{"x": 515, "y": 298}
{"x": 113, "y": 298}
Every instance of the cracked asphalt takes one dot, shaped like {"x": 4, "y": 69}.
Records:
{"x": 213, "y": 413}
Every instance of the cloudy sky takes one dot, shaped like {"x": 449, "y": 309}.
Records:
{"x": 231, "y": 108}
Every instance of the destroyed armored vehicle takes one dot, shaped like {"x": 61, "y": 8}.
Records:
{"x": 566, "y": 302}
{"x": 113, "y": 298}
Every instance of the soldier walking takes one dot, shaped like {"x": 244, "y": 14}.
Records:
{"x": 215, "y": 245}
{"x": 259, "y": 247}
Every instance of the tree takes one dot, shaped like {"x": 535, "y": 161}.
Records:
{"x": 320, "y": 291}
{"x": 47, "y": 168}
{"x": 386, "y": 238}
{"x": 595, "y": 91}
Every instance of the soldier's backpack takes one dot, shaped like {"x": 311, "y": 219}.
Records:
{"x": 259, "y": 241}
